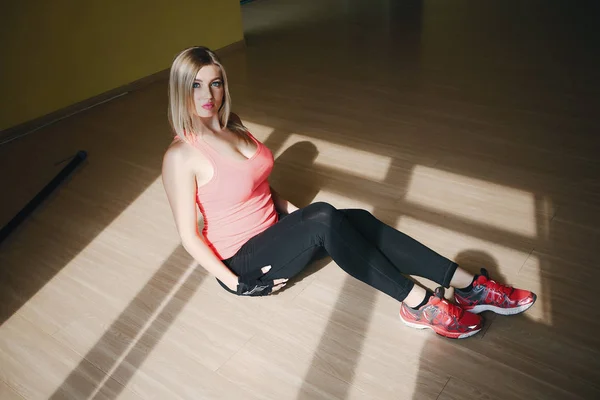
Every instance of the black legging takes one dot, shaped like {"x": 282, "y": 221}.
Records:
{"x": 359, "y": 243}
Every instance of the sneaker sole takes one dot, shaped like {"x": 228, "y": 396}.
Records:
{"x": 499, "y": 310}
{"x": 451, "y": 336}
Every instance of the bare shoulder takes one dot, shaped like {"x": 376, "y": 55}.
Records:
{"x": 182, "y": 159}
{"x": 177, "y": 156}
{"x": 176, "y": 151}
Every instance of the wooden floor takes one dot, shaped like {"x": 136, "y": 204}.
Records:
{"x": 470, "y": 125}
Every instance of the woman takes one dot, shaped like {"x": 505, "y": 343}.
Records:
{"x": 253, "y": 240}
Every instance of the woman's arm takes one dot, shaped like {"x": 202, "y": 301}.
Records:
{"x": 282, "y": 205}
{"x": 180, "y": 186}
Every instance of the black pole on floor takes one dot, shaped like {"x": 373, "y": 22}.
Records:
{"x": 42, "y": 195}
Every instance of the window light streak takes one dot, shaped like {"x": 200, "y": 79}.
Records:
{"x": 344, "y": 158}
{"x": 261, "y": 132}
{"x": 474, "y": 200}
{"x": 125, "y": 353}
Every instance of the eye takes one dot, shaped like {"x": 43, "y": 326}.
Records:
{"x": 196, "y": 85}
{"x": 217, "y": 84}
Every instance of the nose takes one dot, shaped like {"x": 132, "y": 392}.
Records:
{"x": 206, "y": 93}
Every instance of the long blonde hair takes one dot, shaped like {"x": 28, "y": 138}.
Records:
{"x": 182, "y": 119}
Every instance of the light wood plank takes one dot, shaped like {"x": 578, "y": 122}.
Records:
{"x": 8, "y": 393}
{"x": 419, "y": 111}
{"x": 28, "y": 352}
{"x": 456, "y": 389}
{"x": 274, "y": 370}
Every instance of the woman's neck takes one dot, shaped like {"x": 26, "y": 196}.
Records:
{"x": 209, "y": 125}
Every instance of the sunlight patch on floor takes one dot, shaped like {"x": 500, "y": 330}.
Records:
{"x": 261, "y": 132}
{"x": 126, "y": 352}
{"x": 103, "y": 278}
{"x": 345, "y": 159}
{"x": 474, "y": 200}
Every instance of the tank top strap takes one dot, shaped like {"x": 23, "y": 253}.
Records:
{"x": 259, "y": 145}
{"x": 251, "y": 136}
{"x": 214, "y": 157}
{"x": 202, "y": 146}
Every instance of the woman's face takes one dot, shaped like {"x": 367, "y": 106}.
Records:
{"x": 208, "y": 91}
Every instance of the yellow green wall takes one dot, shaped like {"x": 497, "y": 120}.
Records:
{"x": 55, "y": 53}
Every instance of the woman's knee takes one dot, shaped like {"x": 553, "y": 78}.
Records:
{"x": 322, "y": 212}
{"x": 358, "y": 215}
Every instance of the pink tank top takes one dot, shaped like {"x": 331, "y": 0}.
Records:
{"x": 236, "y": 203}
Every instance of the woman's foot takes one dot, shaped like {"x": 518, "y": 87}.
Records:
{"x": 485, "y": 294}
{"x": 442, "y": 317}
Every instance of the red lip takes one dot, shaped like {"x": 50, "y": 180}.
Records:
{"x": 208, "y": 106}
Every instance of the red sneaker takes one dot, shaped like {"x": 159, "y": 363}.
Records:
{"x": 489, "y": 295}
{"x": 442, "y": 317}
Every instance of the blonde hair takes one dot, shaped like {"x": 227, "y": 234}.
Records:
{"x": 182, "y": 117}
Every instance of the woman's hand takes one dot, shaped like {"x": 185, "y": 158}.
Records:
{"x": 251, "y": 284}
